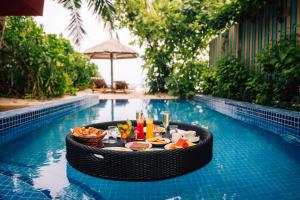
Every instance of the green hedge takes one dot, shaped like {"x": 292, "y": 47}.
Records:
{"x": 38, "y": 65}
{"x": 277, "y": 83}
{"x": 184, "y": 81}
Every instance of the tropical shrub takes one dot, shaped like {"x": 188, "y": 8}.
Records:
{"x": 231, "y": 77}
{"x": 36, "y": 65}
{"x": 185, "y": 80}
{"x": 276, "y": 84}
{"x": 281, "y": 69}
{"x": 173, "y": 34}
{"x": 208, "y": 81}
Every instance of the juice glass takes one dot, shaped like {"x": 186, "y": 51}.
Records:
{"x": 139, "y": 115}
{"x": 149, "y": 128}
{"x": 140, "y": 129}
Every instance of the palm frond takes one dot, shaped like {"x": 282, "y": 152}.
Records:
{"x": 75, "y": 28}
{"x": 103, "y": 9}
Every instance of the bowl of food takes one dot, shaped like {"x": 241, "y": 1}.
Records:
{"x": 90, "y": 136}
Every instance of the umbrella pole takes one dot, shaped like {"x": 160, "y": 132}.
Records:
{"x": 111, "y": 70}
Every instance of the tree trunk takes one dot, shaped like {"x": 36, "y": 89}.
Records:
{"x": 2, "y": 28}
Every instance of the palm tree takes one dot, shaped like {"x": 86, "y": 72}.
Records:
{"x": 100, "y": 8}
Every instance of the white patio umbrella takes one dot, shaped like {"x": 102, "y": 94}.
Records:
{"x": 111, "y": 49}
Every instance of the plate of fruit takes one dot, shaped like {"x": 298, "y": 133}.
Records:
{"x": 181, "y": 143}
{"x": 126, "y": 131}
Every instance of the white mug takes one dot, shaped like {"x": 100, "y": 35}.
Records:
{"x": 189, "y": 135}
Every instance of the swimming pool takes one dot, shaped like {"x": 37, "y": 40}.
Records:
{"x": 248, "y": 163}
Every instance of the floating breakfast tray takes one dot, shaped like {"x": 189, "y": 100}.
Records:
{"x": 139, "y": 165}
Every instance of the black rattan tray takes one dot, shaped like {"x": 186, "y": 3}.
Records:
{"x": 136, "y": 165}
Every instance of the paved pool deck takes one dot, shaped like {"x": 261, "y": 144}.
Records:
{"x": 14, "y": 103}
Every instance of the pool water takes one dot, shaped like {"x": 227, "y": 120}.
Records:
{"x": 248, "y": 163}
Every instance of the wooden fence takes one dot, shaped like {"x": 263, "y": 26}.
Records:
{"x": 247, "y": 39}
{"x": 2, "y": 27}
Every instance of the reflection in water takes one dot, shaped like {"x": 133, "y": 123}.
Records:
{"x": 53, "y": 175}
{"x": 121, "y": 102}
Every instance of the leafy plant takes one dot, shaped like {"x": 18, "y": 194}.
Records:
{"x": 37, "y": 65}
{"x": 176, "y": 33}
{"x": 281, "y": 69}
{"x": 173, "y": 34}
{"x": 208, "y": 81}
{"x": 185, "y": 80}
{"x": 277, "y": 84}
{"x": 231, "y": 77}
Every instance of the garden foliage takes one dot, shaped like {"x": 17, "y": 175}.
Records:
{"x": 185, "y": 81}
{"x": 276, "y": 84}
{"x": 175, "y": 35}
{"x": 280, "y": 67}
{"x": 37, "y": 65}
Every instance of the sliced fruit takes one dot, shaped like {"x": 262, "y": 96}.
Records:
{"x": 182, "y": 143}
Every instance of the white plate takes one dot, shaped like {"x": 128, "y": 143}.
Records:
{"x": 128, "y": 145}
{"x": 160, "y": 144}
{"x": 154, "y": 149}
{"x": 117, "y": 149}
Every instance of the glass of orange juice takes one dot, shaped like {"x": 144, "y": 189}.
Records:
{"x": 149, "y": 128}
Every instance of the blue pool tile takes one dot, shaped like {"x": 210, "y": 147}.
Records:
{"x": 248, "y": 162}
{"x": 12, "y": 122}
{"x": 264, "y": 117}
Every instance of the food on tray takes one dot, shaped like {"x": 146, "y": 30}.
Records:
{"x": 90, "y": 136}
{"x": 158, "y": 141}
{"x": 138, "y": 146}
{"x": 158, "y": 129}
{"x": 181, "y": 143}
{"x": 87, "y": 132}
{"x": 126, "y": 130}
{"x": 172, "y": 146}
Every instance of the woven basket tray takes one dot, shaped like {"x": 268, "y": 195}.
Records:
{"x": 136, "y": 165}
{"x": 95, "y": 141}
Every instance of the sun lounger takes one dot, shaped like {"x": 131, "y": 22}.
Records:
{"x": 101, "y": 86}
{"x": 121, "y": 87}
